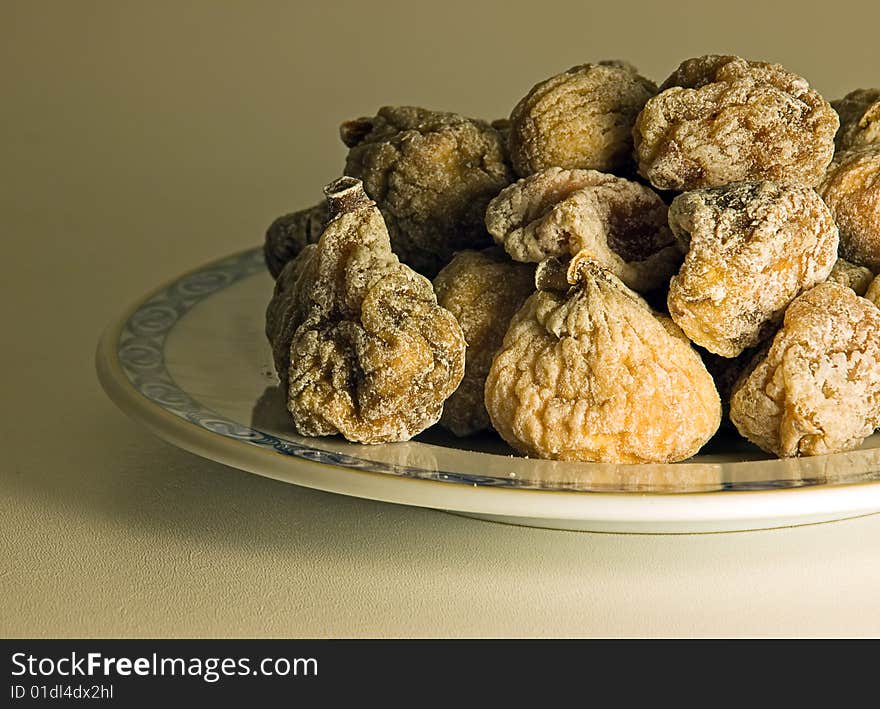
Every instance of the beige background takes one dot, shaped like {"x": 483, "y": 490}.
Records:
{"x": 140, "y": 139}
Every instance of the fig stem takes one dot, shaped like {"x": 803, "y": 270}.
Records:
{"x": 345, "y": 195}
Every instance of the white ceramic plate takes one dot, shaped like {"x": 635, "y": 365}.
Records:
{"x": 192, "y": 363}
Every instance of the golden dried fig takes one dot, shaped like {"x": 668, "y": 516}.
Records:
{"x": 582, "y": 118}
{"x": 723, "y": 119}
{"x": 752, "y": 247}
{"x": 817, "y": 389}
{"x": 590, "y": 374}
{"x": 852, "y": 191}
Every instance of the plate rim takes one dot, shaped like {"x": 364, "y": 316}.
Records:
{"x": 846, "y": 499}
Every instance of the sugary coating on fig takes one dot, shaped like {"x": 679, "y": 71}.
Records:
{"x": 557, "y": 213}
{"x": 432, "y": 175}
{"x": 581, "y": 118}
{"x": 590, "y": 374}
{"x": 290, "y": 233}
{"x": 752, "y": 247}
{"x": 483, "y": 290}
{"x": 817, "y": 390}
{"x": 721, "y": 119}
{"x": 859, "y": 113}
{"x": 848, "y": 274}
{"x": 359, "y": 341}
{"x": 852, "y": 191}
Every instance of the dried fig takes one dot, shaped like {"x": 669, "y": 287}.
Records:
{"x": 752, "y": 247}
{"x": 852, "y": 191}
{"x": 722, "y": 119}
{"x": 359, "y": 341}
{"x": 483, "y": 290}
{"x": 582, "y": 118}
{"x": 432, "y": 175}
{"x": 590, "y": 374}
{"x": 557, "y": 213}
{"x": 817, "y": 389}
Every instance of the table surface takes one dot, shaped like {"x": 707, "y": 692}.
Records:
{"x": 141, "y": 139}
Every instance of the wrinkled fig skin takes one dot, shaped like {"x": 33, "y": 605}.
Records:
{"x": 557, "y": 213}
{"x": 752, "y": 247}
{"x": 483, "y": 290}
{"x": 289, "y": 234}
{"x": 432, "y": 175}
{"x": 852, "y": 191}
{"x": 359, "y": 341}
{"x": 582, "y": 118}
{"x": 722, "y": 119}
{"x": 858, "y": 278}
{"x": 859, "y": 113}
{"x": 817, "y": 389}
{"x": 590, "y": 374}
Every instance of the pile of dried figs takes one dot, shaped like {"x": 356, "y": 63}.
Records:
{"x": 617, "y": 268}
